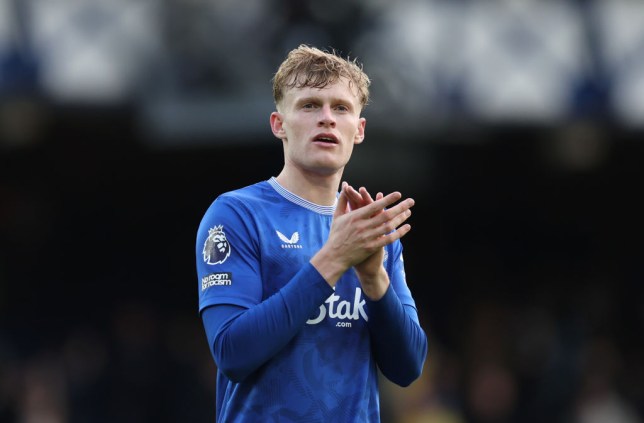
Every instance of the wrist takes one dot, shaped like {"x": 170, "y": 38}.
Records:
{"x": 328, "y": 266}
{"x": 374, "y": 286}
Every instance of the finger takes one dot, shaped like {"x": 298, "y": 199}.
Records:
{"x": 394, "y": 229}
{"x": 381, "y": 216}
{"x": 394, "y": 211}
{"x": 396, "y": 221}
{"x": 368, "y": 200}
{"x": 388, "y": 220}
{"x": 366, "y": 197}
{"x": 341, "y": 207}
{"x": 379, "y": 205}
{"x": 353, "y": 196}
{"x": 388, "y": 226}
{"x": 394, "y": 235}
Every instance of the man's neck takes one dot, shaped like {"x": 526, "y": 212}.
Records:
{"x": 318, "y": 189}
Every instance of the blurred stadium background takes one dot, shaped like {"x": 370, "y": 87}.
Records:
{"x": 516, "y": 124}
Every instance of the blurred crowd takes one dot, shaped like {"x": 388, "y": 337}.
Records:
{"x": 433, "y": 62}
{"x": 511, "y": 363}
{"x": 135, "y": 366}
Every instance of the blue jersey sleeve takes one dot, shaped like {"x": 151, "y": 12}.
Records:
{"x": 399, "y": 342}
{"x": 241, "y": 340}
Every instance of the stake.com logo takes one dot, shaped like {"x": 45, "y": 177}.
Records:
{"x": 343, "y": 310}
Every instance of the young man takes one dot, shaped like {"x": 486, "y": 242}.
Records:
{"x": 302, "y": 290}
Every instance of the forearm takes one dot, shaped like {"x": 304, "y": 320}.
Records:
{"x": 328, "y": 262}
{"x": 399, "y": 342}
{"x": 244, "y": 339}
{"x": 374, "y": 285}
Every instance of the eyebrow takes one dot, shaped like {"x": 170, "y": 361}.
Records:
{"x": 317, "y": 99}
{"x": 308, "y": 99}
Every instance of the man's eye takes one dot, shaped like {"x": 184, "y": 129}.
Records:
{"x": 308, "y": 106}
{"x": 342, "y": 108}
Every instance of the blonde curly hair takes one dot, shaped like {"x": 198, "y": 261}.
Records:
{"x": 307, "y": 66}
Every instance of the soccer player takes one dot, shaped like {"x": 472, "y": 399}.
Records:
{"x": 302, "y": 288}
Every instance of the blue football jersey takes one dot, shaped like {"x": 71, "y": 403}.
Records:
{"x": 250, "y": 244}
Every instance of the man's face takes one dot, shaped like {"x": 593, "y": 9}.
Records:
{"x": 319, "y": 127}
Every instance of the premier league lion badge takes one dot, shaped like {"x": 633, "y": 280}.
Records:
{"x": 216, "y": 249}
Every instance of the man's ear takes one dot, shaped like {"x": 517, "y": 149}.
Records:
{"x": 360, "y": 134}
{"x": 277, "y": 125}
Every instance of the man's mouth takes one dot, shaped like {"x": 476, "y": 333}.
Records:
{"x": 326, "y": 138}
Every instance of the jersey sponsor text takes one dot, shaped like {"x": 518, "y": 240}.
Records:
{"x": 343, "y": 310}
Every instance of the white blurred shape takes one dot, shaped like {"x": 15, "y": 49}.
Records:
{"x": 6, "y": 27}
{"x": 93, "y": 50}
{"x": 611, "y": 409}
{"x": 409, "y": 53}
{"x": 621, "y": 42}
{"x": 521, "y": 58}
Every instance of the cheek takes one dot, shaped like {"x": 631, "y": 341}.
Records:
{"x": 353, "y": 133}
{"x": 292, "y": 128}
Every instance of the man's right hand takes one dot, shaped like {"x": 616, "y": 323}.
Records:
{"x": 360, "y": 229}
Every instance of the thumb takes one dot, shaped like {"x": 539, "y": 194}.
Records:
{"x": 341, "y": 206}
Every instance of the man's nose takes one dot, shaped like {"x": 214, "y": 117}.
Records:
{"x": 326, "y": 116}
